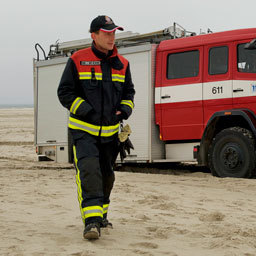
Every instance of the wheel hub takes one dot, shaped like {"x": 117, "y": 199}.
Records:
{"x": 231, "y": 157}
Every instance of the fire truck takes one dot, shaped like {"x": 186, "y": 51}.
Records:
{"x": 195, "y": 99}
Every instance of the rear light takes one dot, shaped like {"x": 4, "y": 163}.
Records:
{"x": 195, "y": 151}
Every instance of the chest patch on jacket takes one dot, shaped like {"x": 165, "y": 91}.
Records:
{"x": 89, "y": 63}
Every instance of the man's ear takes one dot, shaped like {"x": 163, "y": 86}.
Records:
{"x": 93, "y": 36}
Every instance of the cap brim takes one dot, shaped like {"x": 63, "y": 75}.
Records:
{"x": 111, "y": 28}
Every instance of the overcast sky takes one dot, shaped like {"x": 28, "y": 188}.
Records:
{"x": 24, "y": 23}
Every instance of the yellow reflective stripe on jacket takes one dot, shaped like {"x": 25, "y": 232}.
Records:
{"x": 105, "y": 208}
{"x": 93, "y": 211}
{"x": 98, "y": 76}
{"x": 110, "y": 130}
{"x": 118, "y": 78}
{"x": 106, "y": 131}
{"x": 128, "y": 103}
{"x": 88, "y": 75}
{"x": 75, "y": 105}
{"x": 78, "y": 182}
{"x": 77, "y": 124}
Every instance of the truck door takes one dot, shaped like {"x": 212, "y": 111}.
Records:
{"x": 217, "y": 84}
{"x": 181, "y": 94}
{"x": 244, "y": 87}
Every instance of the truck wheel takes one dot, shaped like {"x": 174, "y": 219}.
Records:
{"x": 232, "y": 153}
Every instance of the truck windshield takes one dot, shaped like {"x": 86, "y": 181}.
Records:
{"x": 246, "y": 59}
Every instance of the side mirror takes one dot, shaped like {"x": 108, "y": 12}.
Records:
{"x": 251, "y": 45}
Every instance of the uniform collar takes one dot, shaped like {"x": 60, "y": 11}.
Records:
{"x": 102, "y": 55}
{"x": 111, "y": 57}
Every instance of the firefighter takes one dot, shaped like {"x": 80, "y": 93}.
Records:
{"x": 96, "y": 87}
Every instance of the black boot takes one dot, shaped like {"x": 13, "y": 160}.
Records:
{"x": 92, "y": 231}
{"x": 105, "y": 223}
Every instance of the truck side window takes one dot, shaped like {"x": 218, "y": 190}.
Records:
{"x": 218, "y": 60}
{"x": 246, "y": 59}
{"x": 183, "y": 64}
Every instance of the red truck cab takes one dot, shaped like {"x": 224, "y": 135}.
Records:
{"x": 204, "y": 85}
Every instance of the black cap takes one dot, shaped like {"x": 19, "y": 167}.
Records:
{"x": 103, "y": 23}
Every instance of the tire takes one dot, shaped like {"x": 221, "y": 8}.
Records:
{"x": 232, "y": 153}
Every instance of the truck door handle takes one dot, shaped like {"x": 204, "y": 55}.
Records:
{"x": 165, "y": 97}
{"x": 238, "y": 90}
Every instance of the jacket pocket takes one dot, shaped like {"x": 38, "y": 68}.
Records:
{"x": 118, "y": 89}
{"x": 92, "y": 92}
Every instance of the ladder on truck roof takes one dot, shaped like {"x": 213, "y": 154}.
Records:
{"x": 123, "y": 39}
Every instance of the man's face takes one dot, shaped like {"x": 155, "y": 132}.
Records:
{"x": 104, "y": 40}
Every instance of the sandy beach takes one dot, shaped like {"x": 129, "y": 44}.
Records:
{"x": 176, "y": 212}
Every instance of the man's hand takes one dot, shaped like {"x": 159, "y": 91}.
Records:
{"x": 119, "y": 115}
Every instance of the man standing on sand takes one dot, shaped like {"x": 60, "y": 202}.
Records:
{"x": 96, "y": 87}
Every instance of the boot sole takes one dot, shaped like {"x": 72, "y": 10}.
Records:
{"x": 91, "y": 235}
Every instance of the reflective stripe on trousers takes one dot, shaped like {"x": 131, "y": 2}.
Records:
{"x": 92, "y": 211}
{"x": 105, "y": 208}
{"x": 78, "y": 182}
